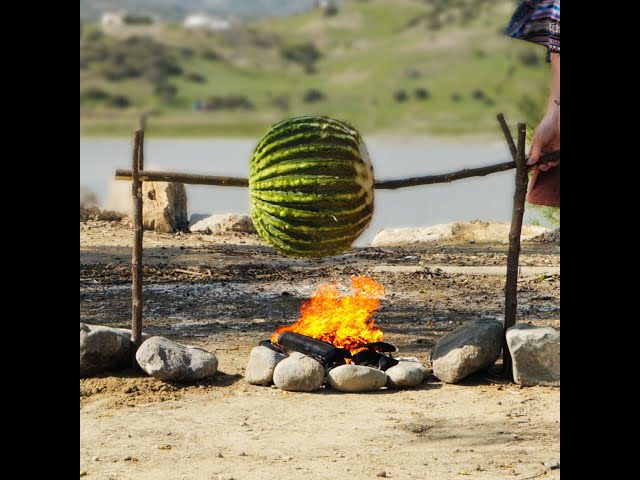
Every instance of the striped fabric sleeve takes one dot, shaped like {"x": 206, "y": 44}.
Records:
{"x": 537, "y": 21}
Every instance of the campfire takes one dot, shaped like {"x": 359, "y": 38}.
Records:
{"x": 337, "y": 329}
{"x": 337, "y": 337}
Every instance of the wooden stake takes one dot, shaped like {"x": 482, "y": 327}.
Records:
{"x": 136, "y": 256}
{"x": 511, "y": 287}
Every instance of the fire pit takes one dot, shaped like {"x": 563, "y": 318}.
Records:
{"x": 334, "y": 342}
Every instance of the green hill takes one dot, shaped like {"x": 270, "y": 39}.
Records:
{"x": 397, "y": 67}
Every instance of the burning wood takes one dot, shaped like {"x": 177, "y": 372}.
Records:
{"x": 324, "y": 352}
{"x": 335, "y": 329}
{"x": 342, "y": 321}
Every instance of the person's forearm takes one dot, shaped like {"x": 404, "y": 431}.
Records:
{"x": 554, "y": 94}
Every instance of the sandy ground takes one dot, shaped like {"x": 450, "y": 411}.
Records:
{"x": 227, "y": 293}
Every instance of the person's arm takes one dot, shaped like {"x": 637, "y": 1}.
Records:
{"x": 546, "y": 137}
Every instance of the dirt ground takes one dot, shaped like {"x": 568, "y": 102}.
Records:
{"x": 225, "y": 293}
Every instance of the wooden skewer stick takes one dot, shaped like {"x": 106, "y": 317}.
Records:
{"x": 191, "y": 179}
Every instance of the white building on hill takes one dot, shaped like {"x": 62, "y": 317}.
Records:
{"x": 201, "y": 20}
{"x": 113, "y": 18}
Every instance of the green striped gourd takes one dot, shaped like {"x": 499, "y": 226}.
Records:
{"x": 311, "y": 185}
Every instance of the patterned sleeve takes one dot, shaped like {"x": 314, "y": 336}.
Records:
{"x": 537, "y": 21}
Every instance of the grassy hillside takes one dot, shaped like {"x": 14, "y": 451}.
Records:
{"x": 398, "y": 67}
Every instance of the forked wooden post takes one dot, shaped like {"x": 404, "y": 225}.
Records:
{"x": 136, "y": 256}
{"x": 511, "y": 287}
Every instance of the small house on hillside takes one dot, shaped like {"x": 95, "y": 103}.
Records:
{"x": 113, "y": 18}
{"x": 201, "y": 20}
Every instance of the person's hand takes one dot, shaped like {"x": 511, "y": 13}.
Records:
{"x": 546, "y": 139}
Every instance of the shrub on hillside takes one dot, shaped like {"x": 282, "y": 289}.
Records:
{"x": 211, "y": 55}
{"x": 228, "y": 102}
{"x": 132, "y": 57}
{"x": 116, "y": 70}
{"x": 264, "y": 39}
{"x": 281, "y": 102}
{"x": 195, "y": 77}
{"x": 400, "y": 96}
{"x": 313, "y": 95}
{"x": 138, "y": 20}
{"x": 187, "y": 52}
{"x": 331, "y": 10}
{"x": 165, "y": 91}
{"x": 119, "y": 101}
{"x": 529, "y": 58}
{"x": 421, "y": 93}
{"x": 93, "y": 93}
{"x": 305, "y": 54}
{"x": 477, "y": 94}
{"x": 94, "y": 36}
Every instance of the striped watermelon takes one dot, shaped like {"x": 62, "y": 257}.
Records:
{"x": 311, "y": 185}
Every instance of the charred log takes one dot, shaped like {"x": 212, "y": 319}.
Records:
{"x": 379, "y": 347}
{"x": 387, "y": 362}
{"x": 367, "y": 357}
{"x": 268, "y": 344}
{"x": 322, "y": 351}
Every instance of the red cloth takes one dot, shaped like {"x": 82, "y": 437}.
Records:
{"x": 545, "y": 187}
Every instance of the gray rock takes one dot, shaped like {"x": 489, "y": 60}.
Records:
{"x": 166, "y": 360}
{"x": 474, "y": 231}
{"x": 425, "y": 370}
{"x": 217, "y": 224}
{"x": 262, "y": 363}
{"x": 552, "y": 236}
{"x": 552, "y": 465}
{"x": 103, "y": 349}
{"x": 536, "y": 354}
{"x": 405, "y": 375}
{"x": 298, "y": 373}
{"x": 409, "y": 236}
{"x": 356, "y": 378}
{"x": 164, "y": 206}
{"x": 469, "y": 348}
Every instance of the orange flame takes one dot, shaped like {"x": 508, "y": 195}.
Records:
{"x": 341, "y": 321}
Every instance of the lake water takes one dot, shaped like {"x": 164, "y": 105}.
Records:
{"x": 482, "y": 198}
